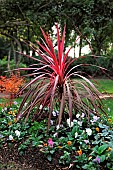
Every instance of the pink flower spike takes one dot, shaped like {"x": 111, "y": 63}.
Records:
{"x": 50, "y": 143}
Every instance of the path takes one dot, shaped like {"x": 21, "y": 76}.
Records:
{"x": 105, "y": 95}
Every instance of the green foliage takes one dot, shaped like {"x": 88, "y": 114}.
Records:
{"x": 88, "y": 17}
{"x": 78, "y": 146}
{"x": 4, "y": 66}
{"x": 65, "y": 159}
{"x": 103, "y": 61}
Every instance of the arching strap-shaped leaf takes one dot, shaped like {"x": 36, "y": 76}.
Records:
{"x": 70, "y": 100}
{"x": 52, "y": 99}
{"x": 62, "y": 105}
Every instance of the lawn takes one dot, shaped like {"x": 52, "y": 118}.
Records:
{"x": 105, "y": 85}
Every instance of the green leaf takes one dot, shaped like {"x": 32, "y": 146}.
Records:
{"x": 102, "y": 158}
{"x": 52, "y": 151}
{"x": 49, "y": 157}
{"x": 95, "y": 149}
{"x": 102, "y": 148}
{"x": 34, "y": 143}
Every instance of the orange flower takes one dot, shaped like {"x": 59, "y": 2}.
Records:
{"x": 97, "y": 129}
{"x": 109, "y": 149}
{"x": 69, "y": 143}
{"x": 79, "y": 152}
{"x": 59, "y": 147}
{"x": 45, "y": 144}
{"x": 10, "y": 112}
{"x": 13, "y": 140}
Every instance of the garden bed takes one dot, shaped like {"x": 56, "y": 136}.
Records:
{"x": 33, "y": 159}
{"x": 27, "y": 146}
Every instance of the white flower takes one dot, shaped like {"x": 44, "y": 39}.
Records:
{"x": 89, "y": 131}
{"x": 51, "y": 121}
{"x": 40, "y": 107}
{"x": 15, "y": 103}
{"x": 76, "y": 134}
{"x": 57, "y": 112}
{"x": 79, "y": 123}
{"x": 25, "y": 104}
{"x": 94, "y": 110}
{"x": 2, "y": 110}
{"x": 10, "y": 137}
{"x": 109, "y": 109}
{"x": 5, "y": 108}
{"x": 77, "y": 116}
{"x": 54, "y": 113}
{"x": 57, "y": 127}
{"x": 95, "y": 118}
{"x": 55, "y": 134}
{"x": 71, "y": 165}
{"x": 70, "y": 124}
{"x": 17, "y": 133}
{"x": 75, "y": 120}
{"x": 82, "y": 115}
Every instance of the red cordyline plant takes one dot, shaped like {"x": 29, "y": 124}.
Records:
{"x": 53, "y": 84}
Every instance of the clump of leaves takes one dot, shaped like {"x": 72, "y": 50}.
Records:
{"x": 12, "y": 84}
{"x": 53, "y": 84}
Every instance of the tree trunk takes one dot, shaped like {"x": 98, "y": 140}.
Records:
{"x": 8, "y": 64}
{"x": 80, "y": 47}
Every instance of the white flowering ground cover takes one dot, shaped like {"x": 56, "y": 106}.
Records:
{"x": 72, "y": 145}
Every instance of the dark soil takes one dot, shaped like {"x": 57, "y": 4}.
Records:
{"x": 32, "y": 159}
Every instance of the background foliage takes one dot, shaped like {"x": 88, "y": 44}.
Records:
{"x": 21, "y": 20}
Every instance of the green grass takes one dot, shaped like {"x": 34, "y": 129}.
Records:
{"x": 105, "y": 85}
{"x": 108, "y": 103}
{"x": 6, "y": 100}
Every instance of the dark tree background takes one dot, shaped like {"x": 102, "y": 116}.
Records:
{"x": 21, "y": 20}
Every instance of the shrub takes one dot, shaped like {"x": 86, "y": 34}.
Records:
{"x": 53, "y": 85}
{"x": 92, "y": 69}
{"x": 4, "y": 66}
{"x": 11, "y": 85}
